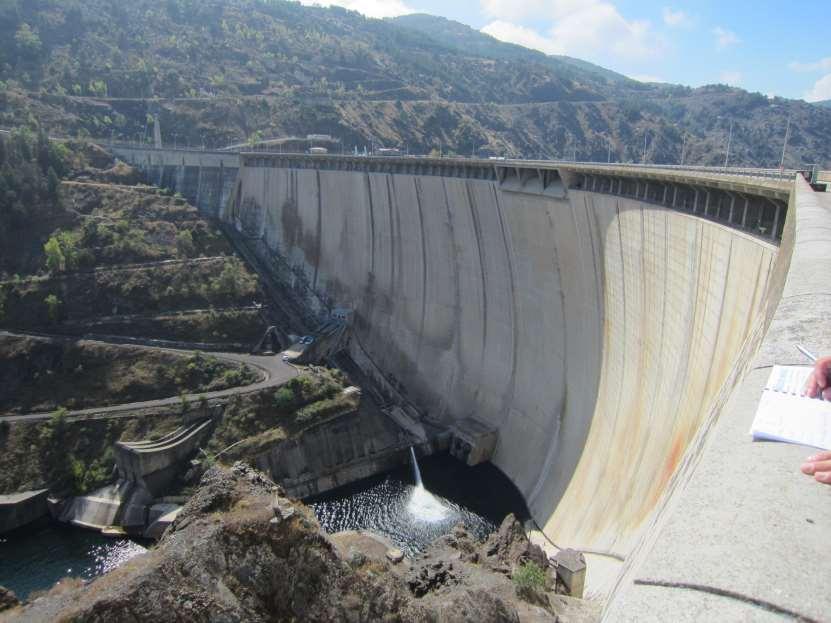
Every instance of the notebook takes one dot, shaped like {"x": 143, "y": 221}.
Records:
{"x": 785, "y": 414}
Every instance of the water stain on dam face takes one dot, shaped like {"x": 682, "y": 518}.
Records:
{"x": 290, "y": 221}
{"x": 597, "y": 333}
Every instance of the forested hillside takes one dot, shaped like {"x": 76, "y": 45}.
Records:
{"x": 223, "y": 71}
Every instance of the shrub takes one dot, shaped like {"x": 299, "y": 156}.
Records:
{"x": 325, "y": 408}
{"x": 184, "y": 244}
{"x": 53, "y": 307}
{"x": 284, "y": 398}
{"x": 529, "y": 576}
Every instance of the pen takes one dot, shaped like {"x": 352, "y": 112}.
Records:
{"x": 805, "y": 352}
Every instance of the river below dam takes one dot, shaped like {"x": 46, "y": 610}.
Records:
{"x": 412, "y": 516}
{"x": 35, "y": 560}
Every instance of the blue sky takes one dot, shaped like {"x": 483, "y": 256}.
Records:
{"x": 773, "y": 47}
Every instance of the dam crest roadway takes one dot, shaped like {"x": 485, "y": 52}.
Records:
{"x": 615, "y": 324}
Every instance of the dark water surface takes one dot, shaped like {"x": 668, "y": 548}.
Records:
{"x": 36, "y": 560}
{"x": 392, "y": 505}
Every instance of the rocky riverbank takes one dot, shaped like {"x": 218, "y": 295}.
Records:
{"x": 242, "y": 551}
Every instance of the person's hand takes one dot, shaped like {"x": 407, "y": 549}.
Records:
{"x": 818, "y": 466}
{"x": 820, "y": 379}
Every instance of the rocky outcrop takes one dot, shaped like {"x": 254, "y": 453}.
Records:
{"x": 240, "y": 550}
{"x": 8, "y": 600}
{"x": 510, "y": 547}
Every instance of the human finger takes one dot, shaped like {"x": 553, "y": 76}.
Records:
{"x": 822, "y": 370}
{"x": 816, "y": 467}
{"x": 825, "y": 455}
{"x": 812, "y": 388}
{"x": 823, "y": 477}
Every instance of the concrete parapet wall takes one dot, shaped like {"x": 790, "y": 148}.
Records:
{"x": 21, "y": 509}
{"x": 595, "y": 332}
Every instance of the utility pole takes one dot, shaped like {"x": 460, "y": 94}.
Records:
{"x": 645, "y": 136}
{"x": 729, "y": 141}
{"x": 785, "y": 146}
{"x": 683, "y": 149}
{"x": 609, "y": 157}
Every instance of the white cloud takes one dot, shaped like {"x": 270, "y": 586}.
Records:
{"x": 370, "y": 8}
{"x": 823, "y": 64}
{"x": 586, "y": 29}
{"x": 733, "y": 78}
{"x": 647, "y": 78}
{"x": 517, "y": 10}
{"x": 725, "y": 38}
{"x": 821, "y": 90}
{"x": 676, "y": 18}
{"x": 514, "y": 33}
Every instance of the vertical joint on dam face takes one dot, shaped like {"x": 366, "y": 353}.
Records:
{"x": 593, "y": 319}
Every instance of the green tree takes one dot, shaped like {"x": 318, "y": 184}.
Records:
{"x": 53, "y": 307}
{"x": 27, "y": 41}
{"x": 53, "y": 182}
{"x": 98, "y": 88}
{"x": 184, "y": 244}
{"x": 255, "y": 138}
{"x": 62, "y": 252}
{"x": 55, "y": 260}
{"x": 3, "y": 298}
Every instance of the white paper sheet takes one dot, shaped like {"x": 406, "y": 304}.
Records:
{"x": 784, "y": 414}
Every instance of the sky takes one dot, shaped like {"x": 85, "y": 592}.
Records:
{"x": 766, "y": 46}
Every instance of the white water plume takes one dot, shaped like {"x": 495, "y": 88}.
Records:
{"x": 423, "y": 505}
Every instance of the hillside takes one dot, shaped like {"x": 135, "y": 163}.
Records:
{"x": 83, "y": 250}
{"x": 222, "y": 71}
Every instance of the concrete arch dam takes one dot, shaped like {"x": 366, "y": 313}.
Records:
{"x": 598, "y": 332}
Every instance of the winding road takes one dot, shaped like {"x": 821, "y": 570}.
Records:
{"x": 273, "y": 373}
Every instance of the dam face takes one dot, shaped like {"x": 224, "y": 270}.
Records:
{"x": 598, "y": 334}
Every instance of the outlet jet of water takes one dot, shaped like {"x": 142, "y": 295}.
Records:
{"x": 423, "y": 505}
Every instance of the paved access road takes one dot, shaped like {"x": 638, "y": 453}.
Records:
{"x": 273, "y": 373}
